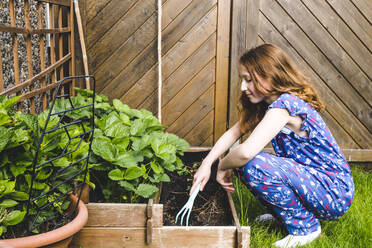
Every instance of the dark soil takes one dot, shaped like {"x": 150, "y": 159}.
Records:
{"x": 211, "y": 206}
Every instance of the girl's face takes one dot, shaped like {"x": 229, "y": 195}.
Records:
{"x": 248, "y": 88}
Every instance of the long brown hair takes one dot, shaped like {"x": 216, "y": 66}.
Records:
{"x": 270, "y": 63}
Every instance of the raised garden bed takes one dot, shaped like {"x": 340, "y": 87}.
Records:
{"x": 213, "y": 221}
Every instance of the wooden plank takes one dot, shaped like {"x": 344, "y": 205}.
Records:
{"x": 58, "y": 2}
{"x": 27, "y": 31}
{"x": 93, "y": 7}
{"x": 222, "y": 68}
{"x": 189, "y": 119}
{"x": 122, "y": 215}
{"x": 337, "y": 66}
{"x": 172, "y": 11}
{"x": 14, "y": 44}
{"x": 164, "y": 237}
{"x": 360, "y": 25}
{"x": 202, "y": 130}
{"x": 29, "y": 53}
{"x": 208, "y": 141}
{"x": 192, "y": 91}
{"x": 52, "y": 58}
{"x": 201, "y": 59}
{"x": 1, "y": 74}
{"x": 358, "y": 155}
{"x": 71, "y": 46}
{"x": 365, "y": 7}
{"x": 42, "y": 53}
{"x": 43, "y": 89}
{"x": 348, "y": 40}
{"x": 252, "y": 24}
{"x": 110, "y": 42}
{"x": 238, "y": 46}
{"x": 98, "y": 26}
{"x": 60, "y": 47}
{"x": 185, "y": 55}
{"x": 335, "y": 106}
{"x": 37, "y": 76}
{"x": 314, "y": 58}
{"x": 129, "y": 50}
{"x": 171, "y": 36}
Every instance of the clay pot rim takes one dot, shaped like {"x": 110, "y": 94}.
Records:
{"x": 56, "y": 235}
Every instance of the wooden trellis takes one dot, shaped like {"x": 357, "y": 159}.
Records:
{"x": 55, "y": 62}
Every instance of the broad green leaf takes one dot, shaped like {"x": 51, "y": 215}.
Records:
{"x": 53, "y": 120}
{"x": 61, "y": 162}
{"x": 5, "y": 118}
{"x": 103, "y": 147}
{"x": 132, "y": 173}
{"x": 103, "y": 106}
{"x": 112, "y": 119}
{"x": 119, "y": 106}
{"x": 44, "y": 173}
{"x": 5, "y": 137}
{"x": 165, "y": 152}
{"x": 165, "y": 178}
{"x": 32, "y": 123}
{"x": 138, "y": 127}
{"x": 18, "y": 196}
{"x": 146, "y": 190}
{"x": 14, "y": 217}
{"x": 121, "y": 143}
{"x": 116, "y": 175}
{"x": 7, "y": 203}
{"x": 126, "y": 185}
{"x": 125, "y": 119}
{"x": 169, "y": 166}
{"x": 125, "y": 160}
{"x": 10, "y": 102}
{"x": 140, "y": 143}
{"x": 117, "y": 130}
{"x": 155, "y": 167}
{"x": 17, "y": 170}
{"x": 180, "y": 144}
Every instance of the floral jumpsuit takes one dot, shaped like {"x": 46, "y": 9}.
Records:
{"x": 308, "y": 179}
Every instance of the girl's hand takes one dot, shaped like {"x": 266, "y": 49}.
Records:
{"x": 202, "y": 176}
{"x": 224, "y": 177}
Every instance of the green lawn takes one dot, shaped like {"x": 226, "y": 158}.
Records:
{"x": 354, "y": 229}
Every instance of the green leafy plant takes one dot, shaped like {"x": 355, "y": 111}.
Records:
{"x": 132, "y": 153}
{"x": 18, "y": 144}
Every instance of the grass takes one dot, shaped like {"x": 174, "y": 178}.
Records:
{"x": 354, "y": 229}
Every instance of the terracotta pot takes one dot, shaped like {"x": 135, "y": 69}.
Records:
{"x": 59, "y": 237}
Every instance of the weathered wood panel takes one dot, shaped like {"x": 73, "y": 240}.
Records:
{"x": 330, "y": 41}
{"x": 162, "y": 237}
{"x": 195, "y": 42}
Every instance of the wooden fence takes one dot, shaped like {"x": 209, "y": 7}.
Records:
{"x": 121, "y": 42}
{"x": 331, "y": 42}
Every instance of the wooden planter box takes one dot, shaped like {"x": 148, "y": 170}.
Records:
{"x": 141, "y": 225}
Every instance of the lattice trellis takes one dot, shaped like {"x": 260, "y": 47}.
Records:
{"x": 69, "y": 177}
{"x": 54, "y": 38}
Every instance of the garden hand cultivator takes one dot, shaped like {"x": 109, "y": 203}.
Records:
{"x": 188, "y": 206}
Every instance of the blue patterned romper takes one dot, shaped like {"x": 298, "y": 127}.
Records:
{"x": 308, "y": 179}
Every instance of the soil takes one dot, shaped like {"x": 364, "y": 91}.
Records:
{"x": 211, "y": 206}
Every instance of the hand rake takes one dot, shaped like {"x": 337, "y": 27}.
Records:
{"x": 188, "y": 206}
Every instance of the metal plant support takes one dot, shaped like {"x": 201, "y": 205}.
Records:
{"x": 74, "y": 182}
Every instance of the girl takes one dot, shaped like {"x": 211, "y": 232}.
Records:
{"x": 308, "y": 179}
